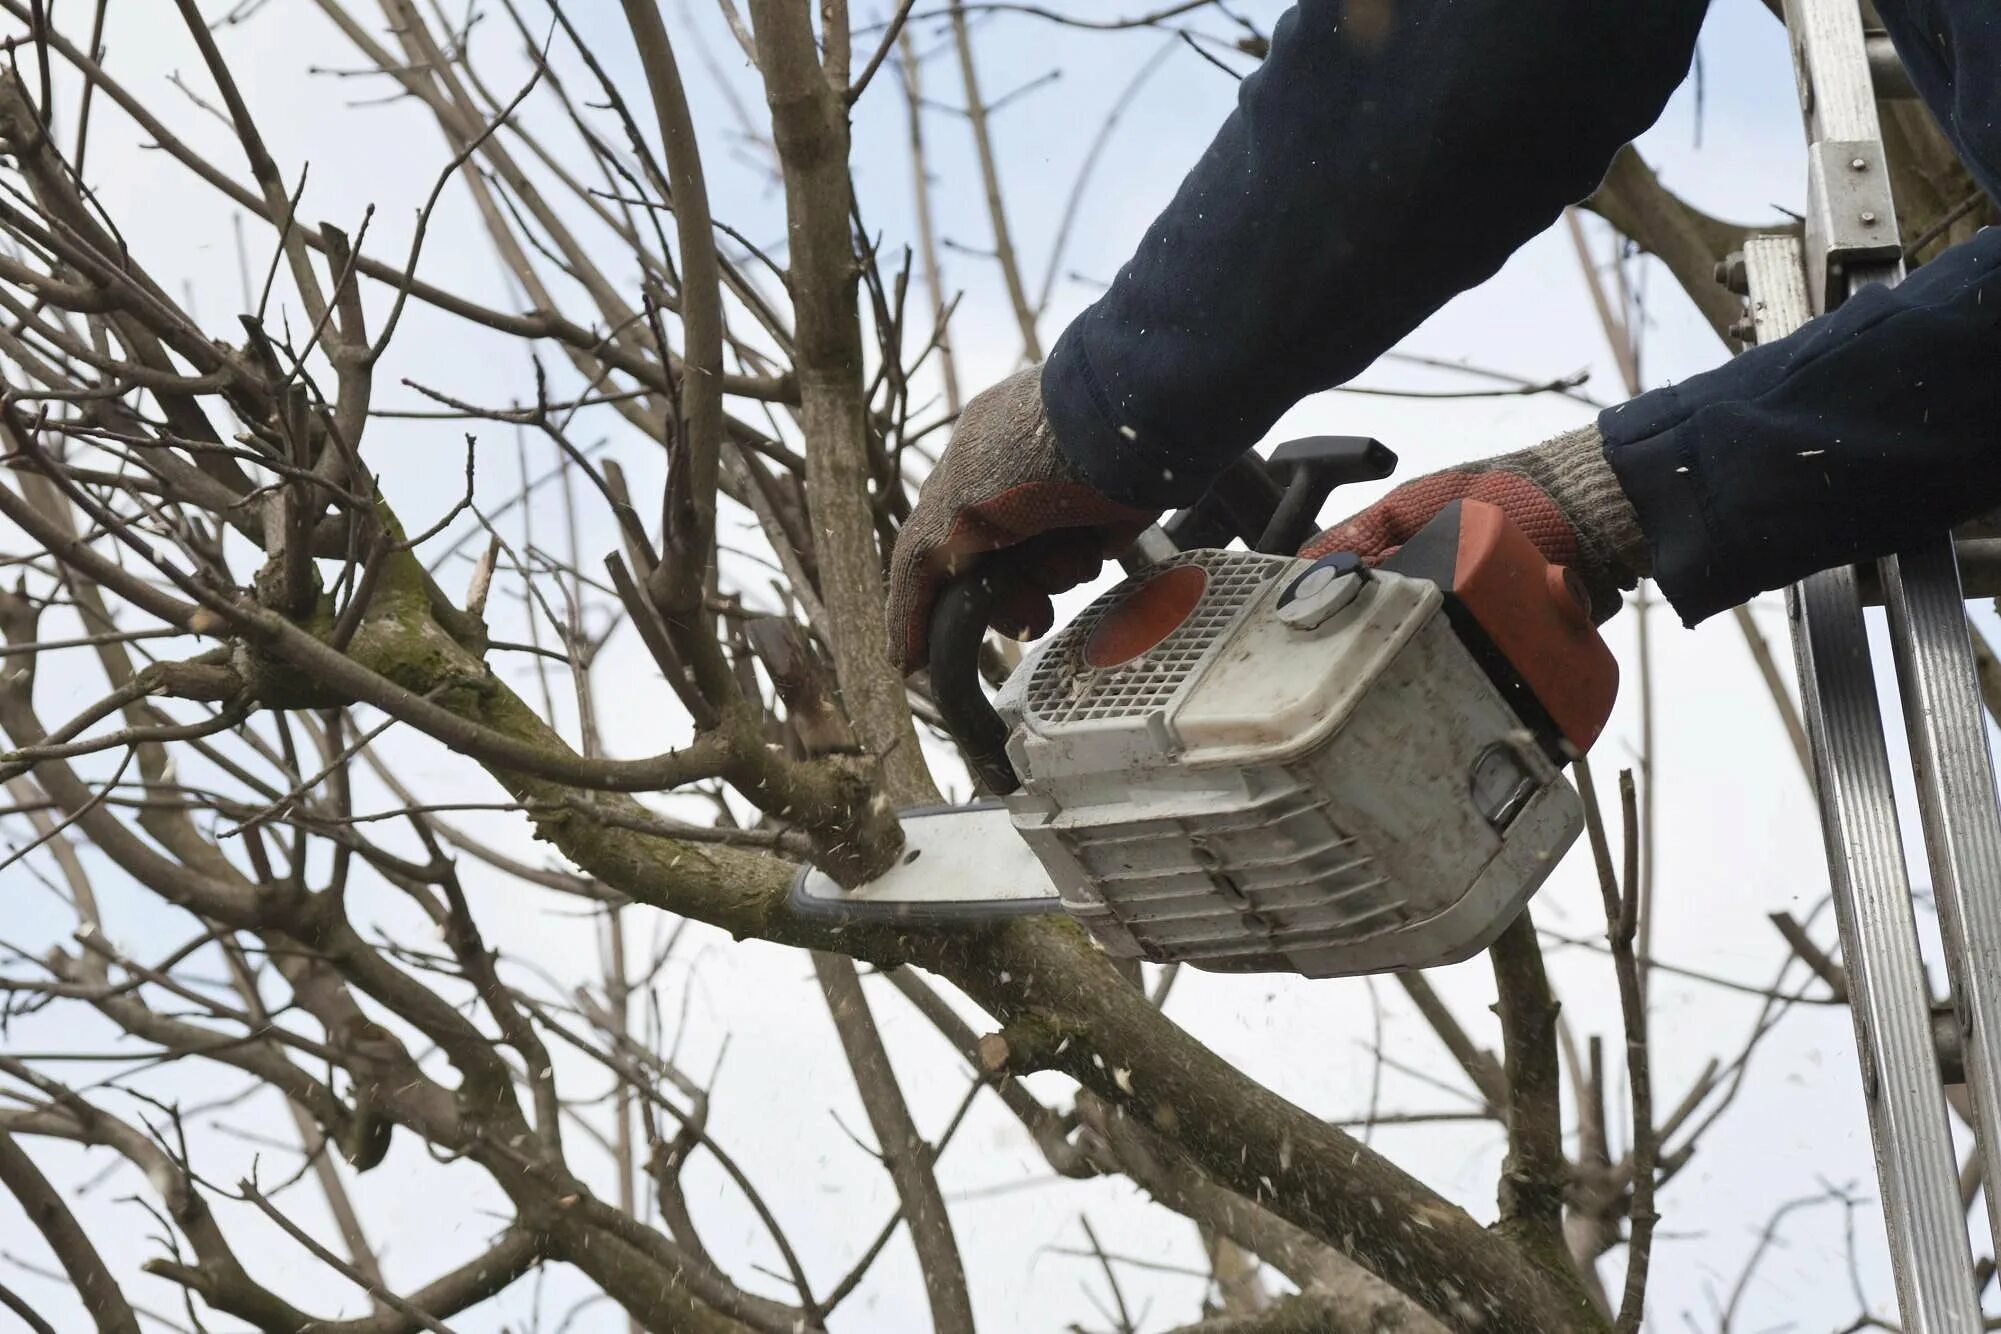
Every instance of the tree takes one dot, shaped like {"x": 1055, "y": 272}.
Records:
{"x": 297, "y": 714}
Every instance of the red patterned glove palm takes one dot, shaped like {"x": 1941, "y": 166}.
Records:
{"x": 1563, "y": 494}
{"x": 1376, "y": 532}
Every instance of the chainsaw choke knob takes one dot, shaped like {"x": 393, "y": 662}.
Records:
{"x": 1325, "y": 587}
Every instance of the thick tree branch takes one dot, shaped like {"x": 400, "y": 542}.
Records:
{"x": 1536, "y": 1174}
{"x": 1349, "y": 1291}
{"x": 72, "y": 1248}
{"x": 1688, "y": 241}
{"x": 809, "y": 125}
{"x": 1065, "y": 1008}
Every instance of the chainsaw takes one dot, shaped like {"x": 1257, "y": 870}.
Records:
{"x": 1251, "y": 761}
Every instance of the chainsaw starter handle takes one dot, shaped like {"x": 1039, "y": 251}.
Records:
{"x": 1273, "y": 505}
{"x": 1310, "y": 470}
{"x": 958, "y": 627}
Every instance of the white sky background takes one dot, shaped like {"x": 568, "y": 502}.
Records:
{"x": 1737, "y": 837}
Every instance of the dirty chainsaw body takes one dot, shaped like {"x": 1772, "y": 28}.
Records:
{"x": 1259, "y": 762}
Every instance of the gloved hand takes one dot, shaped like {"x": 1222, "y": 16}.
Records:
{"x": 1562, "y": 494}
{"x": 1003, "y": 495}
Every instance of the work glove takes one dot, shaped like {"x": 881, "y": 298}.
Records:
{"x": 1562, "y": 494}
{"x": 1004, "y": 497}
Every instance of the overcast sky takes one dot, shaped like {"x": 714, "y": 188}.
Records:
{"x": 1737, "y": 838}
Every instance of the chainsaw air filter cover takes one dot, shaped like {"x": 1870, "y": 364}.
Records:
{"x": 1256, "y": 763}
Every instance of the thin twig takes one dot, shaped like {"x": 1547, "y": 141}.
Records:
{"x": 328, "y": 1258}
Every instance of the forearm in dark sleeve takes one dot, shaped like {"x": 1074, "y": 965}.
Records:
{"x": 1868, "y": 429}
{"x": 1386, "y": 157}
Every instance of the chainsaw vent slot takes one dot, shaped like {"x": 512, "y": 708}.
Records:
{"x": 1274, "y": 874}
{"x": 1066, "y": 690}
{"x": 1246, "y": 797}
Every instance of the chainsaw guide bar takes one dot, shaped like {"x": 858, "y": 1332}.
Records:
{"x": 958, "y": 864}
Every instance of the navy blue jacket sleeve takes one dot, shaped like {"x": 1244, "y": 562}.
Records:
{"x": 1384, "y": 158}
{"x": 1870, "y": 428}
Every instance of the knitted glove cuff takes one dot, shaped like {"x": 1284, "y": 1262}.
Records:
{"x": 1572, "y": 469}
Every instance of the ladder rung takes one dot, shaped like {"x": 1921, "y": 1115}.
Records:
{"x": 1892, "y": 80}
{"x": 1949, "y": 1042}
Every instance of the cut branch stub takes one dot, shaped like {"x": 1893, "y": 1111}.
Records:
{"x": 804, "y": 684}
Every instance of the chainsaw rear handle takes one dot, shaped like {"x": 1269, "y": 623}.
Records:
{"x": 958, "y": 627}
{"x": 1272, "y": 506}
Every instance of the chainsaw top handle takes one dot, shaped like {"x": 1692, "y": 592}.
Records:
{"x": 1271, "y": 506}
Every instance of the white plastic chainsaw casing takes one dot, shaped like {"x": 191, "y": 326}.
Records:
{"x": 1251, "y": 795}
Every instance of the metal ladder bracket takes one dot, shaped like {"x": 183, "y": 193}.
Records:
{"x": 1850, "y": 216}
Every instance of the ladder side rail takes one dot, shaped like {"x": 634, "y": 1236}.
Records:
{"x": 1961, "y": 812}
{"x": 1853, "y": 241}
{"x": 1890, "y": 1002}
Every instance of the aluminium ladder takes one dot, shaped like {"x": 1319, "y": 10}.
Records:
{"x": 1851, "y": 241}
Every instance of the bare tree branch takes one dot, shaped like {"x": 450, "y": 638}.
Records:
{"x": 904, "y": 1152}
{"x": 72, "y": 1248}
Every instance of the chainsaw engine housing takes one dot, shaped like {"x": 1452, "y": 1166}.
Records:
{"x": 1258, "y": 763}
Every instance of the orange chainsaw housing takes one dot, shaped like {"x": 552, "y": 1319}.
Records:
{"x": 1527, "y": 622}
